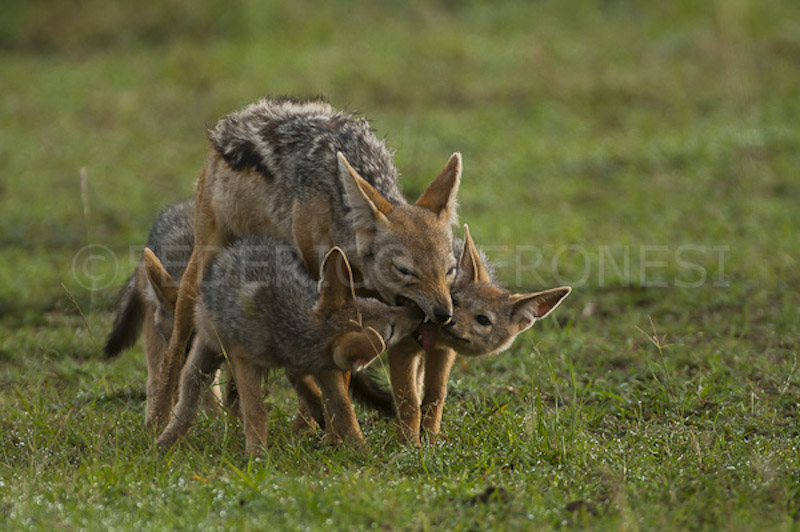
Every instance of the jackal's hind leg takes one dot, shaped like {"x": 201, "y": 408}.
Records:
{"x": 165, "y": 388}
{"x": 309, "y": 398}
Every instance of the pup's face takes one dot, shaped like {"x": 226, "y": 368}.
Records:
{"x": 366, "y": 329}
{"x": 361, "y": 328}
{"x": 486, "y": 317}
{"x": 483, "y": 321}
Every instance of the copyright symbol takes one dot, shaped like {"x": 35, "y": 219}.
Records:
{"x": 95, "y": 267}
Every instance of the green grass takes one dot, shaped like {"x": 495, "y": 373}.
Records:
{"x": 663, "y": 395}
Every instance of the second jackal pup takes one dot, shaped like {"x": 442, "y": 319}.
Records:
{"x": 261, "y": 310}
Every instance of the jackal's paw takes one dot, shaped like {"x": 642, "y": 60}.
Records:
{"x": 166, "y": 441}
{"x": 256, "y": 450}
{"x": 432, "y": 439}
{"x": 154, "y": 423}
{"x": 303, "y": 425}
{"x": 157, "y": 414}
{"x": 408, "y": 440}
{"x": 331, "y": 439}
{"x": 351, "y": 440}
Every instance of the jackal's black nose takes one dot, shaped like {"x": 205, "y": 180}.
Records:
{"x": 442, "y": 315}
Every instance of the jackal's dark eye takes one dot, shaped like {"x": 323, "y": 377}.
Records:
{"x": 405, "y": 271}
{"x": 483, "y": 320}
{"x": 451, "y": 271}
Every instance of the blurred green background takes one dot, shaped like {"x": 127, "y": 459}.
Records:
{"x": 647, "y": 153}
{"x": 584, "y": 124}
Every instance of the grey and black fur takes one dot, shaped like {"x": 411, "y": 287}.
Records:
{"x": 261, "y": 281}
{"x": 260, "y": 308}
{"x": 294, "y": 143}
{"x": 304, "y": 152}
{"x": 171, "y": 238}
{"x": 270, "y": 274}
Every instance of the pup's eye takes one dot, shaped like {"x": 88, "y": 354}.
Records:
{"x": 455, "y": 302}
{"x": 405, "y": 271}
{"x": 451, "y": 271}
{"x": 483, "y": 320}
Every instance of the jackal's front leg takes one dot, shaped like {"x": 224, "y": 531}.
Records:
{"x": 165, "y": 388}
{"x": 438, "y": 364}
{"x": 251, "y": 399}
{"x": 207, "y": 243}
{"x": 404, "y": 360}
{"x": 340, "y": 418}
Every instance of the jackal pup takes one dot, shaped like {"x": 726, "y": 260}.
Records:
{"x": 260, "y": 309}
{"x": 486, "y": 320}
{"x": 307, "y": 174}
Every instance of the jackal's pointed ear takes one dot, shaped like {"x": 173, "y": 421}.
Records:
{"x": 440, "y": 196}
{"x": 336, "y": 281}
{"x": 163, "y": 286}
{"x": 368, "y": 204}
{"x": 471, "y": 268}
{"x": 527, "y": 308}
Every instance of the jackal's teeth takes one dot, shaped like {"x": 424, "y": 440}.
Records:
{"x": 426, "y": 320}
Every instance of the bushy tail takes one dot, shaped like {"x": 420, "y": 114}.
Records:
{"x": 367, "y": 390}
{"x": 127, "y": 322}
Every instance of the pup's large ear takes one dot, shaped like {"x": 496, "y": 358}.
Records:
{"x": 355, "y": 351}
{"x": 440, "y": 196}
{"x": 369, "y": 206}
{"x": 527, "y": 308}
{"x": 336, "y": 281}
{"x": 163, "y": 286}
{"x": 471, "y": 268}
